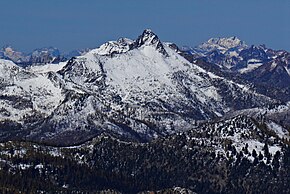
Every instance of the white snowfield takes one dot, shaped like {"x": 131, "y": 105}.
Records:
{"x": 46, "y": 68}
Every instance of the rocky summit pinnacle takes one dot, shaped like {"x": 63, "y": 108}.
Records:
{"x": 147, "y": 38}
{"x": 123, "y": 45}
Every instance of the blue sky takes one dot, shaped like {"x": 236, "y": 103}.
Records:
{"x": 72, "y": 24}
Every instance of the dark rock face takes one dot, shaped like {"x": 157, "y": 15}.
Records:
{"x": 255, "y": 52}
{"x": 150, "y": 38}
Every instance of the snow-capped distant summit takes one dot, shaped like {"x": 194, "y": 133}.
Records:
{"x": 38, "y": 56}
{"x": 222, "y": 44}
{"x": 227, "y": 42}
{"x": 46, "y": 51}
{"x": 44, "y": 56}
{"x": 9, "y": 53}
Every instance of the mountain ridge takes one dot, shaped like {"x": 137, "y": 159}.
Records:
{"x": 142, "y": 92}
{"x": 253, "y": 64}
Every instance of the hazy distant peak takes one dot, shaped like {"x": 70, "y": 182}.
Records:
{"x": 229, "y": 42}
{"x": 222, "y": 44}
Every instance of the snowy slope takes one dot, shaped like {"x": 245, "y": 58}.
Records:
{"x": 25, "y": 94}
{"x": 143, "y": 89}
{"x": 45, "y": 68}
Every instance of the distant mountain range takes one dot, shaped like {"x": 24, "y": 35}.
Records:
{"x": 38, "y": 56}
{"x": 267, "y": 69}
{"x": 144, "y": 115}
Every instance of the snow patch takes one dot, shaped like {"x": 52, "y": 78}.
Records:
{"x": 251, "y": 65}
{"x": 279, "y": 130}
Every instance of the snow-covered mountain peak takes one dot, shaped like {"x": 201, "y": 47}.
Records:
{"x": 149, "y": 38}
{"x": 8, "y": 49}
{"x": 125, "y": 41}
{"x": 123, "y": 45}
{"x": 222, "y": 44}
{"x": 8, "y": 52}
{"x": 115, "y": 47}
{"x": 227, "y": 42}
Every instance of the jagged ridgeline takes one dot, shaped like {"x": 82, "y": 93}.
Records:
{"x": 135, "y": 116}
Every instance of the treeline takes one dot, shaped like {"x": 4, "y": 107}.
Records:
{"x": 130, "y": 168}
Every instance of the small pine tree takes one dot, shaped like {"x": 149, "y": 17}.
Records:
{"x": 266, "y": 150}
{"x": 275, "y": 161}
{"x": 254, "y": 153}
{"x": 261, "y": 156}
